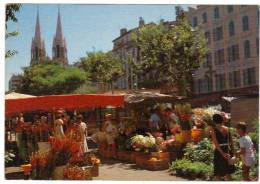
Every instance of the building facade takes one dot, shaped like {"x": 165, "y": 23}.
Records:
{"x": 232, "y": 33}
{"x": 14, "y": 82}
{"x": 125, "y": 49}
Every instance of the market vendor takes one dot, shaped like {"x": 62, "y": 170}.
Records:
{"x": 154, "y": 120}
{"x": 44, "y": 129}
{"x": 171, "y": 118}
{"x": 110, "y": 131}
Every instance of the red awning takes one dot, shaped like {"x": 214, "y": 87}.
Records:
{"x": 68, "y": 102}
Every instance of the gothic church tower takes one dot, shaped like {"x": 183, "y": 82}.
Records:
{"x": 59, "y": 46}
{"x": 38, "y": 53}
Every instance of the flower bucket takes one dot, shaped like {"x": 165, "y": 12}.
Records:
{"x": 186, "y": 136}
{"x": 57, "y": 173}
{"x": 95, "y": 170}
{"x": 44, "y": 147}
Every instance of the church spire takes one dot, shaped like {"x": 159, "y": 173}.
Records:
{"x": 38, "y": 47}
{"x": 59, "y": 34}
{"x": 59, "y": 47}
{"x": 37, "y": 35}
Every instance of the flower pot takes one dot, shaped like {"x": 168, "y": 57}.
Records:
{"x": 57, "y": 173}
{"x": 186, "y": 136}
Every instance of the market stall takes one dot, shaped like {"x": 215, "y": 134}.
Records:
{"x": 55, "y": 157}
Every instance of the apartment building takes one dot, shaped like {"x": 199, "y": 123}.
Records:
{"x": 232, "y": 32}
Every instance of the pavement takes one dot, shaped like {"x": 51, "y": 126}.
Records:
{"x": 120, "y": 171}
{"x": 113, "y": 170}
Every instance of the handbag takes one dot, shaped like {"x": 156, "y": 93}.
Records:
{"x": 231, "y": 160}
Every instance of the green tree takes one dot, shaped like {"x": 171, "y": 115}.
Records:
{"x": 10, "y": 11}
{"x": 174, "y": 52}
{"x": 102, "y": 67}
{"x": 51, "y": 79}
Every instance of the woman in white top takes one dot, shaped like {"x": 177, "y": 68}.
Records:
{"x": 82, "y": 131}
{"x": 58, "y": 128}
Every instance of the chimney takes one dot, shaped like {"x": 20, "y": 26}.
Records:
{"x": 141, "y": 22}
{"x": 123, "y": 31}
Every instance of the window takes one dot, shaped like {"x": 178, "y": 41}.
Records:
{"x": 249, "y": 76}
{"x": 208, "y": 60}
{"x": 230, "y": 8}
{"x": 217, "y": 33}
{"x": 219, "y": 57}
{"x": 233, "y": 53}
{"x": 234, "y": 79}
{"x": 220, "y": 82}
{"x": 207, "y": 36}
{"x": 216, "y": 12}
{"x": 247, "y": 49}
{"x": 195, "y": 21}
{"x": 231, "y": 28}
{"x": 204, "y": 17}
{"x": 245, "y": 23}
{"x": 257, "y": 46}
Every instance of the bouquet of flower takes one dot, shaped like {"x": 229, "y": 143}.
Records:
{"x": 39, "y": 160}
{"x": 139, "y": 142}
{"x": 184, "y": 112}
{"x": 77, "y": 173}
{"x": 63, "y": 149}
{"x": 40, "y": 163}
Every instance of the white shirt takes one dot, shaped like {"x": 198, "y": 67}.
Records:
{"x": 249, "y": 156}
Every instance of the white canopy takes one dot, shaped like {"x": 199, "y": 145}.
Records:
{"x": 14, "y": 95}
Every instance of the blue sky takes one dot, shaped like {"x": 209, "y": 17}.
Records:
{"x": 85, "y": 27}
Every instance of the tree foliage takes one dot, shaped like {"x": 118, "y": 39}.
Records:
{"x": 102, "y": 67}
{"x": 10, "y": 11}
{"x": 175, "y": 52}
{"x": 51, "y": 79}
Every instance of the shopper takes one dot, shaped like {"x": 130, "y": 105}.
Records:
{"x": 223, "y": 142}
{"x": 82, "y": 131}
{"x": 246, "y": 150}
